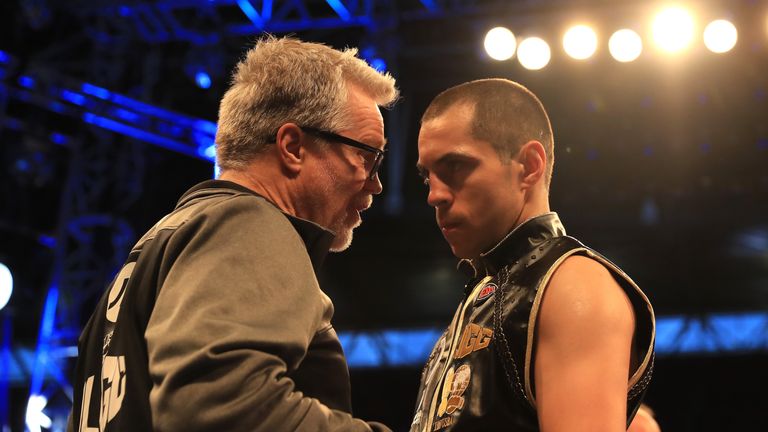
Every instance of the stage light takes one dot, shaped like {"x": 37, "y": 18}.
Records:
{"x": 204, "y": 65}
{"x": 673, "y": 29}
{"x": 202, "y": 79}
{"x": 625, "y": 45}
{"x": 720, "y": 36}
{"x": 207, "y": 151}
{"x": 533, "y": 53}
{"x": 500, "y": 43}
{"x": 36, "y": 418}
{"x": 379, "y": 64}
{"x": 370, "y": 54}
{"x": 6, "y": 285}
{"x": 580, "y": 42}
{"x": 26, "y": 82}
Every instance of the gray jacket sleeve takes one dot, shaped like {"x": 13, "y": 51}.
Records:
{"x": 237, "y": 309}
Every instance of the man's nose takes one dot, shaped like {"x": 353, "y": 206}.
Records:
{"x": 439, "y": 195}
{"x": 374, "y": 185}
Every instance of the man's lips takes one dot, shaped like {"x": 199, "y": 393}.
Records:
{"x": 448, "y": 226}
{"x": 362, "y": 207}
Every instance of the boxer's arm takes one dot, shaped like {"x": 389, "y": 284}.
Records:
{"x": 585, "y": 328}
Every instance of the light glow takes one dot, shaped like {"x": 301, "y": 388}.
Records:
{"x": 625, "y": 45}
{"x": 534, "y": 53}
{"x": 580, "y": 42}
{"x": 6, "y": 285}
{"x": 203, "y": 80}
{"x": 35, "y": 417}
{"x": 673, "y": 29}
{"x": 500, "y": 43}
{"x": 720, "y": 36}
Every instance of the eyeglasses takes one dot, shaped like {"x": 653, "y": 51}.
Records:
{"x": 374, "y": 163}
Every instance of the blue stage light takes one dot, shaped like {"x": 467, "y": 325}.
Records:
{"x": 93, "y": 90}
{"x": 388, "y": 348}
{"x": 57, "y": 107}
{"x": 250, "y": 12}
{"x": 75, "y": 98}
{"x": 129, "y": 116}
{"x": 139, "y": 134}
{"x": 205, "y": 126}
{"x": 58, "y": 138}
{"x": 47, "y": 241}
{"x": 22, "y": 165}
{"x": 675, "y": 335}
{"x": 26, "y": 81}
{"x": 203, "y": 80}
{"x": 431, "y": 5}
{"x": 379, "y": 64}
{"x": 266, "y": 10}
{"x": 206, "y": 148}
{"x": 340, "y": 9}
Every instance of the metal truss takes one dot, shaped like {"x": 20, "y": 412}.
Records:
{"x": 92, "y": 238}
{"x": 106, "y": 110}
{"x": 80, "y": 265}
{"x": 206, "y": 21}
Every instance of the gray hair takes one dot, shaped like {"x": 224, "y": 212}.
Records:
{"x": 285, "y": 80}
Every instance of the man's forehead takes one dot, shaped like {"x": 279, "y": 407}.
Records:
{"x": 368, "y": 130}
{"x": 378, "y": 138}
{"x": 460, "y": 112}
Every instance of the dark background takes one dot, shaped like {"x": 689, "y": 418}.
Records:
{"x": 660, "y": 164}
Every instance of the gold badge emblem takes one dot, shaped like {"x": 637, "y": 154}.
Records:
{"x": 474, "y": 338}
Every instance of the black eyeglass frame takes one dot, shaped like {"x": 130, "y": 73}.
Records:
{"x": 332, "y": 137}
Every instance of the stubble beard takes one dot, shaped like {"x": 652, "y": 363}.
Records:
{"x": 344, "y": 227}
{"x": 343, "y": 239}
{"x": 342, "y": 224}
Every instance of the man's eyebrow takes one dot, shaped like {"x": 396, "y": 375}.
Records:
{"x": 454, "y": 156}
{"x": 448, "y": 157}
{"x": 377, "y": 144}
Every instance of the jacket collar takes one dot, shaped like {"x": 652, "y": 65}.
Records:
{"x": 316, "y": 238}
{"x": 522, "y": 239}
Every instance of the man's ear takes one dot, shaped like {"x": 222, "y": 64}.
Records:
{"x": 289, "y": 146}
{"x": 533, "y": 158}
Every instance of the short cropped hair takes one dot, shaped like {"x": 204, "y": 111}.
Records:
{"x": 506, "y": 115}
{"x": 284, "y": 80}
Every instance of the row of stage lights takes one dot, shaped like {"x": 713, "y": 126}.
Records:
{"x": 672, "y": 31}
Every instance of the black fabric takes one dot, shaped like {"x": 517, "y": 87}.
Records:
{"x": 495, "y": 396}
{"x": 112, "y": 340}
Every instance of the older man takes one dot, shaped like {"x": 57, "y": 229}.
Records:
{"x": 550, "y": 335}
{"x": 216, "y": 321}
